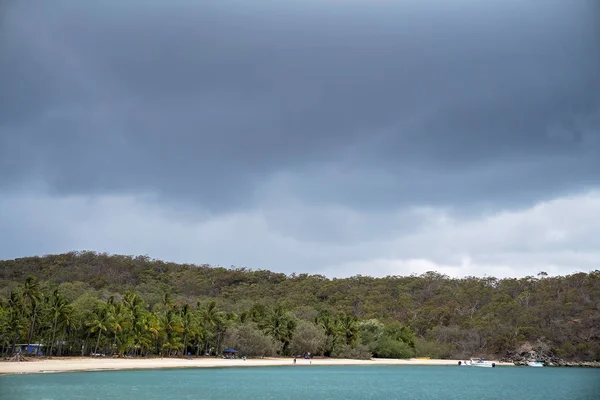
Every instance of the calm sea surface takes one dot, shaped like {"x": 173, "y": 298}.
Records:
{"x": 307, "y": 382}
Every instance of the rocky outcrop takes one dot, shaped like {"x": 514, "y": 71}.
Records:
{"x": 563, "y": 363}
{"x": 549, "y": 360}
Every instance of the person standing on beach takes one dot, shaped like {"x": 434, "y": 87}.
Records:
{"x": 294, "y": 360}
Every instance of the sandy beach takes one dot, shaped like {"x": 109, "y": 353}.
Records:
{"x": 115, "y": 364}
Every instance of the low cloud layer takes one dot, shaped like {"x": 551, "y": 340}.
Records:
{"x": 555, "y": 237}
{"x": 358, "y": 138}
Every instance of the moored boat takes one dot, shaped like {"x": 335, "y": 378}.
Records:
{"x": 535, "y": 364}
{"x": 480, "y": 362}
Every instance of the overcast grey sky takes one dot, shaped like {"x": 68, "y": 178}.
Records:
{"x": 336, "y": 137}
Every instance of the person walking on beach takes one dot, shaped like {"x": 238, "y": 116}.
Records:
{"x": 294, "y": 360}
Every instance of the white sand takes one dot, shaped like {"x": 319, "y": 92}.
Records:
{"x": 112, "y": 364}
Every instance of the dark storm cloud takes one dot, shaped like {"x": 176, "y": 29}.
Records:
{"x": 365, "y": 103}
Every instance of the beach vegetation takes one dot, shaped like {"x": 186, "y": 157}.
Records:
{"x": 86, "y": 303}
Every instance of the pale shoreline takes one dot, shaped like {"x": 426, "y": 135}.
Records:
{"x": 79, "y": 364}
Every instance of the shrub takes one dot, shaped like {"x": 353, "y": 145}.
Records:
{"x": 391, "y": 348}
{"x": 308, "y": 338}
{"x": 357, "y": 352}
{"x": 250, "y": 341}
{"x": 432, "y": 348}
{"x": 370, "y": 332}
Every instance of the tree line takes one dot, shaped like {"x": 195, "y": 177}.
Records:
{"x": 83, "y": 303}
{"x": 125, "y": 325}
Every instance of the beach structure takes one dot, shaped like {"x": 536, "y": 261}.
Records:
{"x": 32, "y": 348}
{"x": 229, "y": 353}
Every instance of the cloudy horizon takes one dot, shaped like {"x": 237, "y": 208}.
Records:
{"x": 325, "y": 137}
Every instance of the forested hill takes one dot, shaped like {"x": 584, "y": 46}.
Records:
{"x": 430, "y": 314}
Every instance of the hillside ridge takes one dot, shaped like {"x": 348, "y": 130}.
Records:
{"x": 429, "y": 313}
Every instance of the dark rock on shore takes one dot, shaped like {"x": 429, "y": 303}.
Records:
{"x": 549, "y": 360}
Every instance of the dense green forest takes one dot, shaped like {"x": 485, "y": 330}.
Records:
{"x": 82, "y": 303}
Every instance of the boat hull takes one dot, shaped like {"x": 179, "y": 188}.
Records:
{"x": 481, "y": 363}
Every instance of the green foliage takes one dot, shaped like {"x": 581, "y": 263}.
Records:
{"x": 279, "y": 324}
{"x": 308, "y": 338}
{"x": 250, "y": 341}
{"x": 401, "y": 333}
{"x": 348, "y": 328}
{"x": 388, "y": 347}
{"x": 432, "y": 348}
{"x": 357, "y": 351}
{"x": 82, "y": 302}
{"x": 392, "y": 341}
{"x": 370, "y": 332}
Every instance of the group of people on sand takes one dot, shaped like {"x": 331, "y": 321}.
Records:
{"x": 306, "y": 356}
{"x": 228, "y": 356}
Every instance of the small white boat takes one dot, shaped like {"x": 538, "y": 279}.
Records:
{"x": 480, "y": 362}
{"x": 535, "y": 364}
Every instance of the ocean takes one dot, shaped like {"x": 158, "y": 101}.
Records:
{"x": 310, "y": 382}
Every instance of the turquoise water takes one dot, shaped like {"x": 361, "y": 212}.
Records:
{"x": 308, "y": 382}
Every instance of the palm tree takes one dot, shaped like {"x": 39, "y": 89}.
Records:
{"x": 68, "y": 324}
{"x": 58, "y": 309}
{"x": 187, "y": 325}
{"x": 198, "y": 337}
{"x": 116, "y": 318}
{"x": 211, "y": 318}
{"x": 221, "y": 329}
{"x": 29, "y": 290}
{"x": 36, "y": 316}
{"x": 31, "y": 294}
{"x": 144, "y": 332}
{"x": 15, "y": 320}
{"x": 168, "y": 302}
{"x": 172, "y": 326}
{"x": 280, "y": 325}
{"x": 348, "y": 327}
{"x": 99, "y": 323}
{"x": 327, "y": 322}
{"x": 152, "y": 328}
{"x": 134, "y": 306}
{"x": 3, "y": 318}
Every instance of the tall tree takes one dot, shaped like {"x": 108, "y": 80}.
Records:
{"x": 32, "y": 297}
{"x": 348, "y": 327}
{"x": 59, "y": 310}
{"x": 100, "y": 322}
{"x": 279, "y": 323}
{"x": 188, "y": 326}
{"x": 211, "y": 319}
